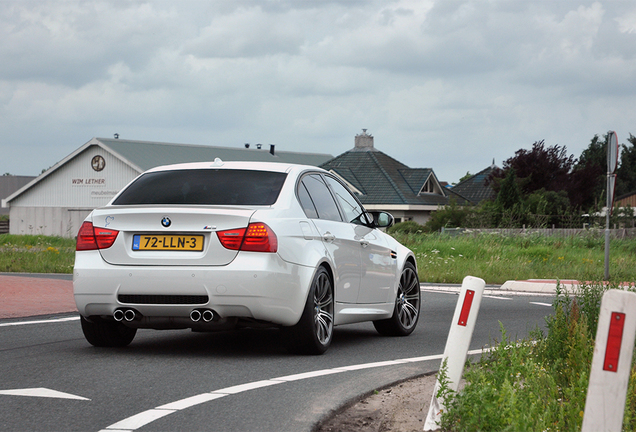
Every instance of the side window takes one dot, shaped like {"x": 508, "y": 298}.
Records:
{"x": 306, "y": 202}
{"x": 348, "y": 203}
{"x": 321, "y": 198}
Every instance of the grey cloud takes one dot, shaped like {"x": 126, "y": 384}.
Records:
{"x": 439, "y": 83}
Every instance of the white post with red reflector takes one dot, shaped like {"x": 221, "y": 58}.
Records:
{"x": 611, "y": 363}
{"x": 457, "y": 344}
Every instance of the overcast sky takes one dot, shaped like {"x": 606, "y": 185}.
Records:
{"x": 440, "y": 84}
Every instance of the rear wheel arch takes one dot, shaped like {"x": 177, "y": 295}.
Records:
{"x": 314, "y": 331}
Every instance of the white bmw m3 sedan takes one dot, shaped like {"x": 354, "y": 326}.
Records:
{"x": 220, "y": 245}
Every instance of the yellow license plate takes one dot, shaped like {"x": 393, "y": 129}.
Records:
{"x": 168, "y": 242}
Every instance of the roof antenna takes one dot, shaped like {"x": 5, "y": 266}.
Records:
{"x": 116, "y": 136}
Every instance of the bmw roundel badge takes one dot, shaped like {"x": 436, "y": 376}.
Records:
{"x": 166, "y": 222}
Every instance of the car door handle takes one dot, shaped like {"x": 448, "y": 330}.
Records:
{"x": 364, "y": 243}
{"x": 328, "y": 237}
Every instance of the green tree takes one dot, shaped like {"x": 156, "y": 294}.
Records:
{"x": 539, "y": 168}
{"x": 509, "y": 194}
{"x": 466, "y": 177}
{"x": 587, "y": 180}
{"x": 626, "y": 172}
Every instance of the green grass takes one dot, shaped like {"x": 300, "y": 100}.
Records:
{"x": 440, "y": 258}
{"x": 496, "y": 258}
{"x": 36, "y": 254}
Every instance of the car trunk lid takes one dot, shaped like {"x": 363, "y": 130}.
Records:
{"x": 165, "y": 235}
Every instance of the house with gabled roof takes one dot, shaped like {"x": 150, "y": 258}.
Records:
{"x": 57, "y": 201}
{"x": 475, "y": 188}
{"x": 383, "y": 183}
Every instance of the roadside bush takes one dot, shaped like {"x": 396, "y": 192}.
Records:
{"x": 450, "y": 216}
{"x": 407, "y": 227}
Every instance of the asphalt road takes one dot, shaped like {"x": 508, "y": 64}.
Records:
{"x": 122, "y": 389}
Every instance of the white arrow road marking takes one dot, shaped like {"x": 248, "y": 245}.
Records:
{"x": 41, "y": 392}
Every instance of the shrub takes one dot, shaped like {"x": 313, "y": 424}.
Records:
{"x": 450, "y": 216}
{"x": 407, "y": 227}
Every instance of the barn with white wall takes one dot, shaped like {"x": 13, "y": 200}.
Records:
{"x": 56, "y": 202}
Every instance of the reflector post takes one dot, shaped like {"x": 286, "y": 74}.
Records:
{"x": 611, "y": 363}
{"x": 614, "y": 341}
{"x": 468, "y": 301}
{"x": 459, "y": 337}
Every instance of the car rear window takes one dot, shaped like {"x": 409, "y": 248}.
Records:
{"x": 204, "y": 187}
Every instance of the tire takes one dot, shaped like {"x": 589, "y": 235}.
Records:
{"x": 314, "y": 331}
{"x": 407, "y": 306}
{"x": 102, "y": 333}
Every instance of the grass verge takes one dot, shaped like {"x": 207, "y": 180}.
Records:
{"x": 36, "y": 254}
{"x": 497, "y": 258}
{"x": 440, "y": 258}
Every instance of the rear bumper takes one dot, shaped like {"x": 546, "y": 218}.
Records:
{"x": 255, "y": 285}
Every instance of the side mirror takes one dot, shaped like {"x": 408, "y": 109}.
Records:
{"x": 382, "y": 219}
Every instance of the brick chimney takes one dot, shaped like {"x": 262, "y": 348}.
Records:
{"x": 364, "y": 141}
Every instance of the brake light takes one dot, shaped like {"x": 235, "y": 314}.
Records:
{"x": 231, "y": 239}
{"x": 257, "y": 237}
{"x": 92, "y": 238}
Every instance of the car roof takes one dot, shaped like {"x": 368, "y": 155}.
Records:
{"x": 246, "y": 165}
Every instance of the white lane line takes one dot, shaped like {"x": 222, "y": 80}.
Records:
{"x": 41, "y": 392}
{"x": 541, "y": 304}
{"x": 439, "y": 291}
{"x": 49, "y": 321}
{"x": 192, "y": 401}
{"x": 497, "y": 297}
{"x": 487, "y": 291}
{"x": 139, "y": 420}
{"x": 305, "y": 375}
{"x": 246, "y": 387}
{"x": 142, "y": 419}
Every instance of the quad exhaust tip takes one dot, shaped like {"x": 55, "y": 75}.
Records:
{"x": 206, "y": 315}
{"x": 195, "y": 315}
{"x": 127, "y": 315}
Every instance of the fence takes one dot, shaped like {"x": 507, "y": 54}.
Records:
{"x": 4, "y": 226}
{"x": 619, "y": 233}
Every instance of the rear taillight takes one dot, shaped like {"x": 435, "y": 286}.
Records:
{"x": 257, "y": 237}
{"x": 91, "y": 238}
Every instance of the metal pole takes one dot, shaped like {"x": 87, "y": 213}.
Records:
{"x": 607, "y": 231}
{"x": 612, "y": 160}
